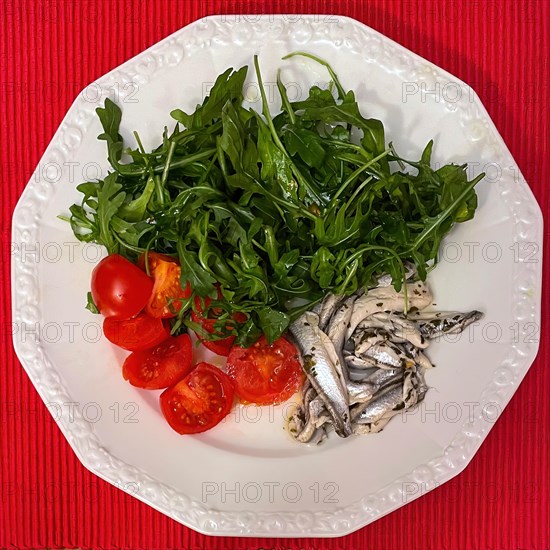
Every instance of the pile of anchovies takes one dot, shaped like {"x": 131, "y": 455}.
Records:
{"x": 364, "y": 358}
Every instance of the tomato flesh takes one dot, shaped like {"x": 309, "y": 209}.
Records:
{"x": 198, "y": 402}
{"x": 166, "y": 272}
{"x": 221, "y": 346}
{"x": 119, "y": 288}
{"x": 139, "y": 333}
{"x": 160, "y": 366}
{"x": 265, "y": 373}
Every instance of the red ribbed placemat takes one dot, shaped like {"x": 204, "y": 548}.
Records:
{"x": 51, "y": 49}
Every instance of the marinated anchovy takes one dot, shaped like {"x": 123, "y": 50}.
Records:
{"x": 321, "y": 371}
{"x": 338, "y": 327}
{"x": 385, "y": 402}
{"x": 306, "y": 423}
{"x": 385, "y": 377}
{"x": 388, "y": 355}
{"x": 386, "y": 299}
{"x": 360, "y": 392}
{"x": 327, "y": 308}
{"x": 398, "y": 328}
{"x": 435, "y": 325}
{"x": 357, "y": 392}
{"x": 365, "y": 360}
{"x": 391, "y": 401}
{"x": 360, "y": 375}
{"x": 312, "y": 416}
{"x": 356, "y": 362}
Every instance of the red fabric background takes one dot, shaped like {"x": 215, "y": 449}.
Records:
{"x": 51, "y": 49}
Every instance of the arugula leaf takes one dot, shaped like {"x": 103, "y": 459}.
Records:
{"x": 135, "y": 209}
{"x": 273, "y": 323}
{"x": 306, "y": 144}
{"x": 266, "y": 208}
{"x": 227, "y": 88}
{"x": 248, "y": 334}
{"x": 192, "y": 271}
{"x": 109, "y": 199}
{"x": 90, "y": 305}
{"x": 110, "y": 116}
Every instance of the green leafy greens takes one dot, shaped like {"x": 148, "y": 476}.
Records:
{"x": 273, "y": 208}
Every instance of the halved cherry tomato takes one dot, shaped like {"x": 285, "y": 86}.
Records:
{"x": 161, "y": 366}
{"x": 139, "y": 333}
{"x": 265, "y": 373}
{"x": 119, "y": 288}
{"x": 199, "y": 401}
{"x": 222, "y": 346}
{"x": 165, "y": 271}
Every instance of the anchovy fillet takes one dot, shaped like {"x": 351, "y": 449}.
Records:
{"x": 321, "y": 371}
{"x": 364, "y": 359}
{"x": 435, "y": 325}
{"x": 327, "y": 308}
{"x": 386, "y": 299}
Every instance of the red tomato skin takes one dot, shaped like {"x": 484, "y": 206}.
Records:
{"x": 170, "y": 361}
{"x": 136, "y": 334}
{"x": 172, "y": 393}
{"x": 119, "y": 288}
{"x": 265, "y": 374}
{"x": 165, "y": 272}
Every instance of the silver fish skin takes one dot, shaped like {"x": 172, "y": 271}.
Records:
{"x": 360, "y": 375}
{"x": 376, "y": 408}
{"x": 361, "y": 392}
{"x": 387, "y": 299}
{"x": 365, "y": 363}
{"x": 385, "y": 355}
{"x": 337, "y": 329}
{"x": 321, "y": 371}
{"x": 357, "y": 392}
{"x": 397, "y": 327}
{"x": 446, "y": 323}
{"x": 385, "y": 377}
{"x": 390, "y": 401}
{"x": 327, "y": 308}
{"x": 366, "y": 339}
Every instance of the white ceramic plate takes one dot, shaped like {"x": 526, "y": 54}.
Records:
{"x": 247, "y": 477}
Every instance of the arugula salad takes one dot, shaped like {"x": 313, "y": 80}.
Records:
{"x": 240, "y": 222}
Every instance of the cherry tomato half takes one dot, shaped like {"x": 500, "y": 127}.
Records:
{"x": 161, "y": 366}
{"x": 223, "y": 345}
{"x": 139, "y": 333}
{"x": 119, "y": 288}
{"x": 165, "y": 271}
{"x": 265, "y": 373}
{"x": 199, "y": 401}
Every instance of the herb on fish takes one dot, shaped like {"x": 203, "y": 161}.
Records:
{"x": 272, "y": 207}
